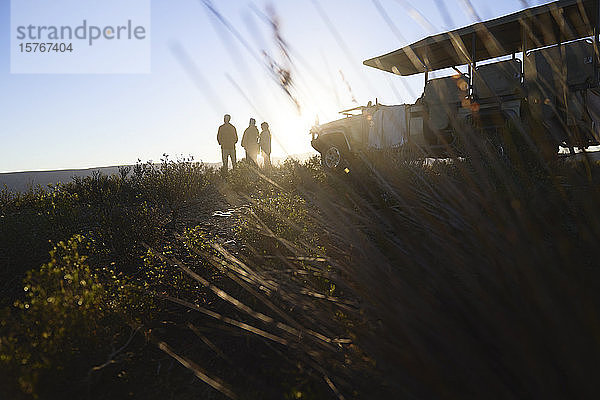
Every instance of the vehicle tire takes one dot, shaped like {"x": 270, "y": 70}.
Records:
{"x": 411, "y": 153}
{"x": 333, "y": 158}
{"x": 463, "y": 134}
{"x": 541, "y": 142}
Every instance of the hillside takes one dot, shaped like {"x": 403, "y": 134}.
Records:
{"x": 297, "y": 283}
{"x": 21, "y": 181}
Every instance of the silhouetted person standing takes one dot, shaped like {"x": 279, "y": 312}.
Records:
{"x": 265, "y": 143}
{"x": 227, "y": 138}
{"x": 250, "y": 141}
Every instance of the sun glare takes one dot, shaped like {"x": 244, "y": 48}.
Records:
{"x": 291, "y": 130}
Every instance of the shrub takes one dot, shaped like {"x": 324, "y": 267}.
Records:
{"x": 70, "y": 320}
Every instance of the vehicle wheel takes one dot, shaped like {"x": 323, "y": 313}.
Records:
{"x": 544, "y": 138}
{"x": 332, "y": 158}
{"x": 410, "y": 153}
{"x": 463, "y": 135}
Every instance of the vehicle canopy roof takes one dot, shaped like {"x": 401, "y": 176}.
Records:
{"x": 540, "y": 26}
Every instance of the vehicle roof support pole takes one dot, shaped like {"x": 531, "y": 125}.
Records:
{"x": 473, "y": 64}
{"x": 524, "y": 42}
{"x": 426, "y": 78}
{"x": 471, "y": 72}
{"x": 562, "y": 67}
{"x": 596, "y": 41}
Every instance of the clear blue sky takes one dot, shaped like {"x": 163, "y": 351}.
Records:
{"x": 77, "y": 121}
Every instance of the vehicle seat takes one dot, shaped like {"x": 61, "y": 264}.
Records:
{"x": 502, "y": 78}
{"x": 580, "y": 65}
{"x": 442, "y": 97}
{"x": 542, "y": 74}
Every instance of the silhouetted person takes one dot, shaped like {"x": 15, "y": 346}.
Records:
{"x": 227, "y": 138}
{"x": 265, "y": 143}
{"x": 250, "y": 141}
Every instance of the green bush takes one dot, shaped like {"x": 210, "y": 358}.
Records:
{"x": 451, "y": 278}
{"x": 70, "y": 320}
{"x": 59, "y": 336}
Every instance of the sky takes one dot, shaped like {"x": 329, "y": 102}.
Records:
{"x": 203, "y": 67}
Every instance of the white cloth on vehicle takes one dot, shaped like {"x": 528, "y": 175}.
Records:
{"x": 388, "y": 127}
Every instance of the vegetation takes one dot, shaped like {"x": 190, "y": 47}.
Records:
{"x": 471, "y": 278}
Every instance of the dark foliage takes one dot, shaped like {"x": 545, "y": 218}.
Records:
{"x": 438, "y": 279}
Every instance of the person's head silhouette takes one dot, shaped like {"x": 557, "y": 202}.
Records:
{"x": 227, "y": 118}
{"x": 252, "y": 121}
{"x": 264, "y": 125}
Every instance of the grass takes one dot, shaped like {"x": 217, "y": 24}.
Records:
{"x": 473, "y": 278}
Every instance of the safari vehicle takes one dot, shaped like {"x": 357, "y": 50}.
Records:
{"x": 536, "y": 69}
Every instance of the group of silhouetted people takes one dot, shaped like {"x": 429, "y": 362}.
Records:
{"x": 253, "y": 142}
